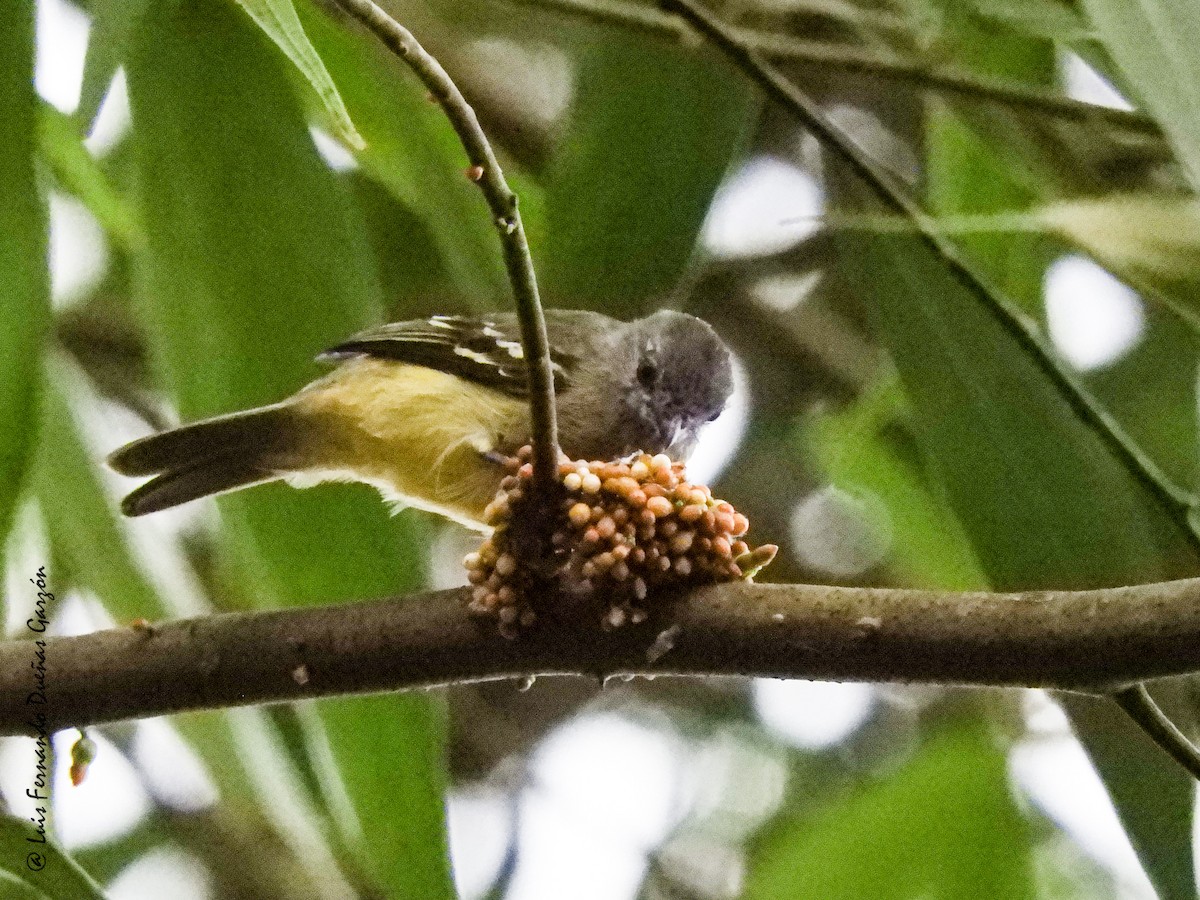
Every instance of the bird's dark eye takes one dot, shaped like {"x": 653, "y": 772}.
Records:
{"x": 647, "y": 374}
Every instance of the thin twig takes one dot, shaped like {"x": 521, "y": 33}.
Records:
{"x": 1098, "y": 640}
{"x": 785, "y": 49}
{"x": 507, "y": 217}
{"x": 1140, "y": 706}
{"x": 1026, "y": 332}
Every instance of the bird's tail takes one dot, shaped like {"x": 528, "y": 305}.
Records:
{"x": 210, "y": 457}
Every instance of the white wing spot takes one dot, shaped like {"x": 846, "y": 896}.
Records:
{"x": 513, "y": 347}
{"x": 441, "y": 322}
{"x": 489, "y": 330}
{"x": 481, "y": 358}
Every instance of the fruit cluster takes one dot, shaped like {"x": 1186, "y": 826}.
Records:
{"x": 620, "y": 530}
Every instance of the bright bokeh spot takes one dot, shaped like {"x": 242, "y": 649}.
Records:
{"x": 1093, "y": 318}
{"x": 112, "y": 120}
{"x": 479, "y": 820}
{"x": 162, "y": 873}
{"x": 841, "y": 533}
{"x": 1057, "y": 776}
{"x": 766, "y": 207}
{"x": 62, "y": 36}
{"x": 813, "y": 715}
{"x": 1082, "y": 82}
{"x": 171, "y": 768}
{"x": 78, "y": 251}
{"x": 604, "y": 791}
{"x": 720, "y": 439}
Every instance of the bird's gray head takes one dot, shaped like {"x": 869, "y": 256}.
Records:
{"x": 680, "y": 378}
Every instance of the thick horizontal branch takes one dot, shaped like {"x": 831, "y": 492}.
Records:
{"x": 1091, "y": 640}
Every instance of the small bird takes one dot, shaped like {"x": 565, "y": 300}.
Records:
{"x": 427, "y": 410}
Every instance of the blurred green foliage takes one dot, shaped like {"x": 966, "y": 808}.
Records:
{"x": 237, "y": 251}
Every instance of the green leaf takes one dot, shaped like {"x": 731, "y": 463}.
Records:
{"x": 77, "y": 172}
{"x": 279, "y": 20}
{"x": 24, "y": 283}
{"x": 1019, "y": 466}
{"x": 41, "y": 864}
{"x": 866, "y": 448}
{"x": 256, "y": 261}
{"x": 1155, "y": 236}
{"x": 384, "y": 754}
{"x": 413, "y": 151}
{"x": 1155, "y": 809}
{"x": 1055, "y": 19}
{"x": 18, "y": 889}
{"x": 1151, "y": 242}
{"x": 1157, "y": 45}
{"x": 1044, "y": 498}
{"x": 652, "y": 132}
{"x": 113, "y": 24}
{"x": 943, "y": 826}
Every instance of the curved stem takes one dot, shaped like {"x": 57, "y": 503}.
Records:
{"x": 1100, "y": 641}
{"x": 1140, "y": 706}
{"x": 1173, "y": 497}
{"x": 786, "y": 49}
{"x": 507, "y": 217}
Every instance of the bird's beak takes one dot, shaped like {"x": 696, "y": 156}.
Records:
{"x": 682, "y": 443}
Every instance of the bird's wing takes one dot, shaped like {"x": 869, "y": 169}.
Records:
{"x": 485, "y": 350}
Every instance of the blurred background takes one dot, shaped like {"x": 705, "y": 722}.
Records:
{"x": 208, "y": 235}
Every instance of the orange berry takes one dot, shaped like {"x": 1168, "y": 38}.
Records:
{"x": 659, "y": 506}
{"x": 580, "y": 514}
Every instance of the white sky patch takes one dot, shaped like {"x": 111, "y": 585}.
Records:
{"x": 109, "y": 803}
{"x": 62, "y": 36}
{"x": 79, "y": 613}
{"x": 162, "y": 873}
{"x": 112, "y": 120}
{"x": 479, "y": 818}
{"x": 1082, "y": 82}
{"x": 173, "y": 772}
{"x": 766, "y": 207}
{"x": 604, "y": 791}
{"x": 720, "y": 439}
{"x": 1056, "y": 775}
{"x": 813, "y": 715}
{"x": 1093, "y": 318}
{"x": 783, "y": 293}
{"x": 78, "y": 251}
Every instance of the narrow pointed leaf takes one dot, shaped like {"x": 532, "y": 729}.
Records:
{"x": 24, "y": 283}
{"x": 1157, "y": 45}
{"x": 32, "y": 859}
{"x": 279, "y": 20}
{"x": 256, "y": 261}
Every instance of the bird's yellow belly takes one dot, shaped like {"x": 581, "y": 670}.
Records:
{"x": 417, "y": 434}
